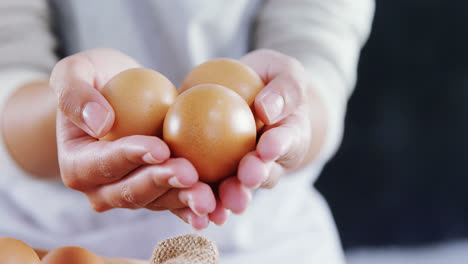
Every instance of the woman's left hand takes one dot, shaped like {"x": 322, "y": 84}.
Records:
{"x": 295, "y": 127}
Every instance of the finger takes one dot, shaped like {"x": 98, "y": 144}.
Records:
{"x": 234, "y": 196}
{"x": 287, "y": 143}
{"x": 220, "y": 215}
{"x": 77, "y": 81}
{"x": 199, "y": 198}
{"x": 286, "y": 84}
{"x": 196, "y": 221}
{"x": 255, "y": 173}
{"x": 146, "y": 185}
{"x": 103, "y": 162}
{"x": 278, "y": 144}
{"x": 274, "y": 174}
{"x": 252, "y": 171}
{"x": 279, "y": 98}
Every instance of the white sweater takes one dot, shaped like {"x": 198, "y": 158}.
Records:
{"x": 290, "y": 222}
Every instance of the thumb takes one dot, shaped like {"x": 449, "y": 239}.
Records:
{"x": 72, "y": 79}
{"x": 285, "y": 80}
{"x": 77, "y": 80}
{"x": 280, "y": 97}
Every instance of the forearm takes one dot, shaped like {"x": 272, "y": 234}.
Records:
{"x": 28, "y": 128}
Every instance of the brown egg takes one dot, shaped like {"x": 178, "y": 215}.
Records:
{"x": 71, "y": 255}
{"x": 231, "y": 73}
{"x": 212, "y": 127}
{"x": 14, "y": 251}
{"x": 140, "y": 98}
{"x": 41, "y": 252}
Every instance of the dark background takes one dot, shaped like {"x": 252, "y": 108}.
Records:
{"x": 400, "y": 176}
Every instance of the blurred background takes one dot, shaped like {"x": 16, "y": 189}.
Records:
{"x": 398, "y": 185}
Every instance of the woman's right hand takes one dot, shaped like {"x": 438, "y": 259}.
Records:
{"x": 131, "y": 172}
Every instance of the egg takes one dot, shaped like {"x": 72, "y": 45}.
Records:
{"x": 14, "y": 251}
{"x": 140, "y": 98}
{"x": 211, "y": 126}
{"x": 230, "y": 73}
{"x": 41, "y": 252}
{"x": 71, "y": 255}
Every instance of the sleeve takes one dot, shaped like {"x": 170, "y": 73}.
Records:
{"x": 326, "y": 36}
{"x": 26, "y": 54}
{"x": 26, "y": 44}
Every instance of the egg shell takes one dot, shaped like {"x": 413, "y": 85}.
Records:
{"x": 230, "y": 73}
{"x": 140, "y": 98}
{"x": 212, "y": 127}
{"x": 14, "y": 251}
{"x": 71, "y": 255}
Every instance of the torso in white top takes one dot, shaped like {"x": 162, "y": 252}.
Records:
{"x": 288, "y": 223}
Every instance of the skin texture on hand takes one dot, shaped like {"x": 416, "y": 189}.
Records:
{"x": 294, "y": 132}
{"x": 131, "y": 172}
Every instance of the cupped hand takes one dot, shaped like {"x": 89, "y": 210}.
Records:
{"x": 294, "y": 128}
{"x": 131, "y": 172}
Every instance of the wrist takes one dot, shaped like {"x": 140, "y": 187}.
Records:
{"x": 328, "y": 110}
{"x": 319, "y": 125}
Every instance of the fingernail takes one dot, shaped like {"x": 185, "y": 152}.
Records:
{"x": 174, "y": 182}
{"x": 192, "y": 206}
{"x": 187, "y": 199}
{"x": 148, "y": 158}
{"x": 189, "y": 219}
{"x": 95, "y": 117}
{"x": 273, "y": 105}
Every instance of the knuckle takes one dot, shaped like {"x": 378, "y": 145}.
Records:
{"x": 298, "y": 149}
{"x": 290, "y": 160}
{"x": 296, "y": 72}
{"x": 129, "y": 156}
{"x": 73, "y": 62}
{"x": 127, "y": 198}
{"x": 62, "y": 76}
{"x": 269, "y": 184}
{"x": 268, "y": 52}
{"x": 289, "y": 62}
{"x": 294, "y": 65}
{"x": 272, "y": 180}
{"x": 296, "y": 85}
